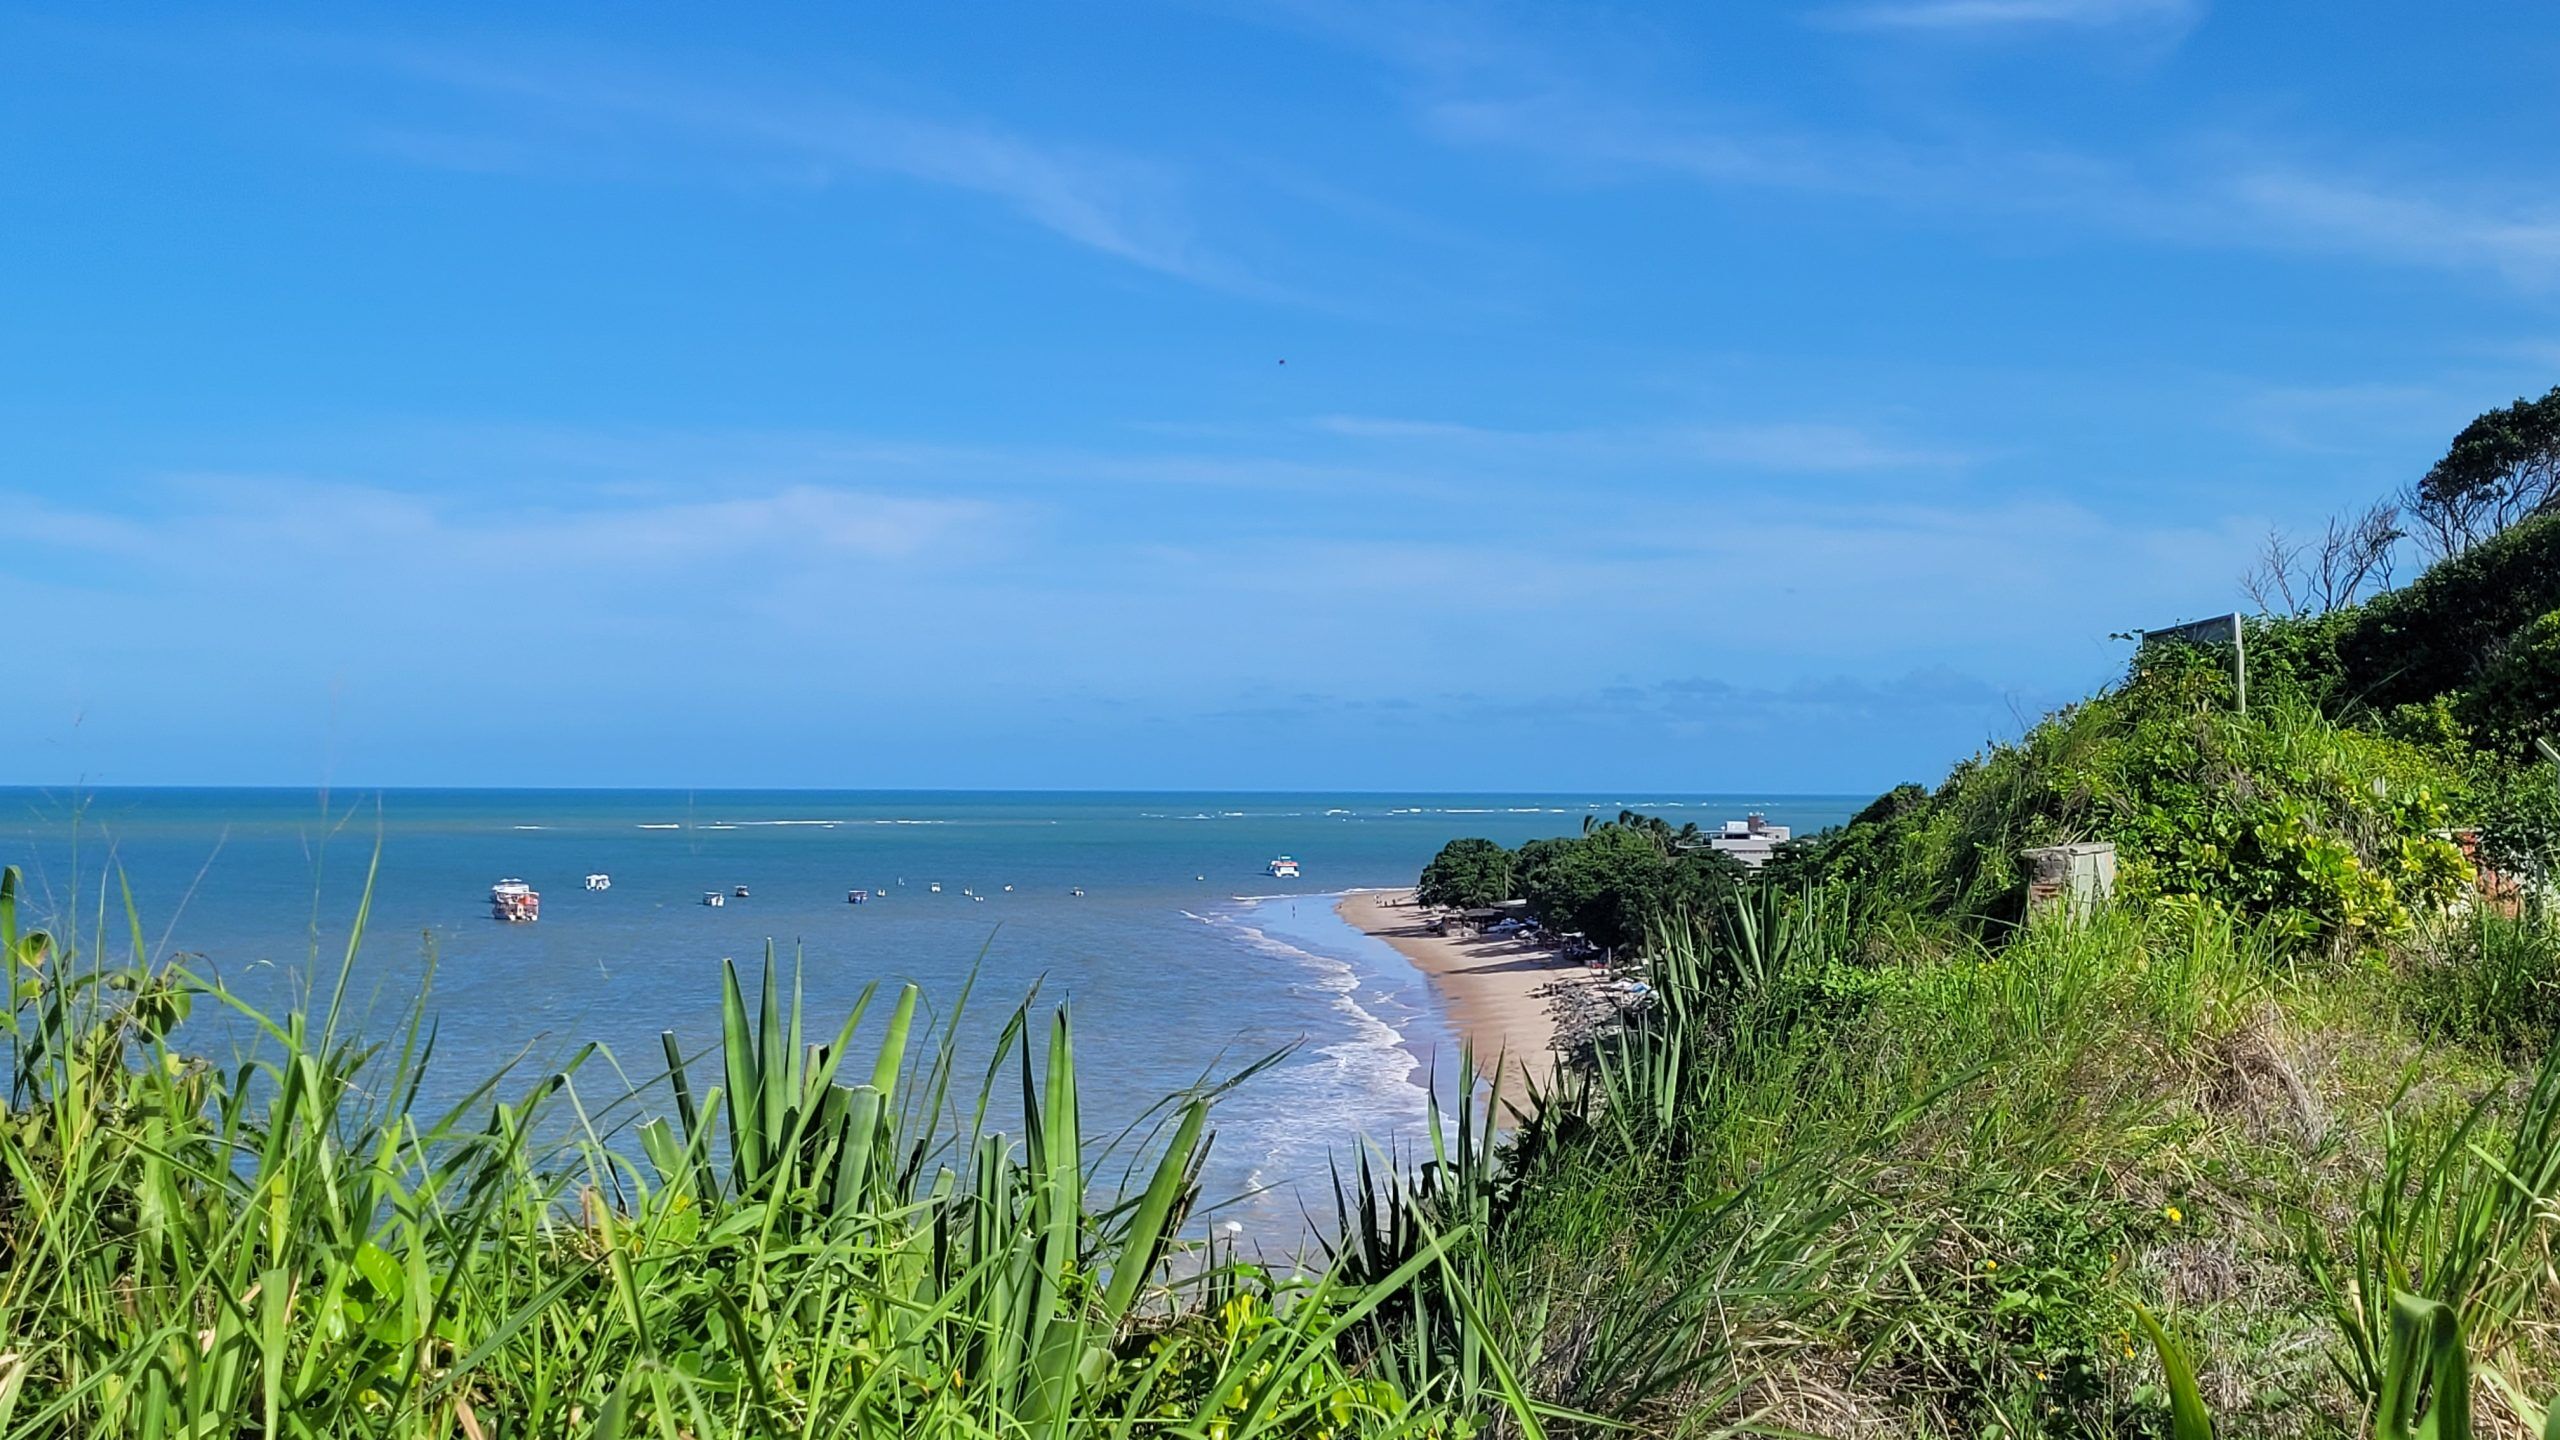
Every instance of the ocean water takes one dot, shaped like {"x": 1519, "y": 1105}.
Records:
{"x": 1183, "y": 959}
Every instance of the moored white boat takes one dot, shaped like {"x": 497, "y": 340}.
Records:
{"x": 515, "y": 902}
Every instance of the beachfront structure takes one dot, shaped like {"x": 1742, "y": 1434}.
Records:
{"x": 1751, "y": 840}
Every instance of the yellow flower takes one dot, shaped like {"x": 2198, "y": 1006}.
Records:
{"x": 1990, "y": 1264}
{"x": 2176, "y": 1217}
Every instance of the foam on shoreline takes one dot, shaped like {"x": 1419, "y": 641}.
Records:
{"x": 1367, "y": 1084}
{"x": 1498, "y": 991}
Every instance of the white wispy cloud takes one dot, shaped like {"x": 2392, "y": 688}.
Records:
{"x": 605, "y": 119}
{"x": 2403, "y": 221}
{"x": 221, "y": 523}
{"x": 1979, "y": 15}
{"x": 1592, "y": 115}
{"x": 1806, "y": 446}
{"x": 2218, "y": 195}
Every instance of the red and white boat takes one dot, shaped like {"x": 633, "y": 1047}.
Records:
{"x": 515, "y": 902}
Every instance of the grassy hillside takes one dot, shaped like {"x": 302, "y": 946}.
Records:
{"x": 1885, "y": 1160}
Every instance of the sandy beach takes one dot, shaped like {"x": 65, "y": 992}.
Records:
{"x": 1491, "y": 984}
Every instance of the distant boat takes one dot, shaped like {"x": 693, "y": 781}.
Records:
{"x": 740, "y": 892}
{"x": 714, "y": 899}
{"x": 599, "y": 881}
{"x": 937, "y": 887}
{"x": 1078, "y": 892}
{"x": 1008, "y": 889}
{"x": 857, "y": 897}
{"x": 515, "y": 902}
{"x": 1283, "y": 868}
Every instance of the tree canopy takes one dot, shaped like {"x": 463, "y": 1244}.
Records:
{"x": 2502, "y": 468}
{"x": 1614, "y": 883}
{"x": 1466, "y": 874}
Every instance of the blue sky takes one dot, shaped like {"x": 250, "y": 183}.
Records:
{"x": 1777, "y": 398}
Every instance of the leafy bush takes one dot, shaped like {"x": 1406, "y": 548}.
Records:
{"x": 2518, "y": 810}
{"x": 2438, "y": 633}
{"x": 2334, "y": 832}
{"x": 1621, "y": 880}
{"x": 1467, "y": 874}
{"x": 2517, "y": 699}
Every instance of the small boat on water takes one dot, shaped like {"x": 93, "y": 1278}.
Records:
{"x": 1077, "y": 892}
{"x": 599, "y": 881}
{"x": 740, "y": 892}
{"x": 857, "y": 897}
{"x": 714, "y": 899}
{"x": 937, "y": 887}
{"x": 1282, "y": 868}
{"x": 515, "y": 902}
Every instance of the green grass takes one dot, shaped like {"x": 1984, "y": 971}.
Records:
{"x": 1852, "y": 1180}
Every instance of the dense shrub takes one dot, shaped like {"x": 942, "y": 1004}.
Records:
{"x": 2438, "y": 633}
{"x": 2517, "y": 808}
{"x": 2517, "y": 699}
{"x": 1615, "y": 883}
{"x": 2280, "y": 813}
{"x": 1608, "y": 884}
{"x": 2330, "y": 831}
{"x": 1466, "y": 873}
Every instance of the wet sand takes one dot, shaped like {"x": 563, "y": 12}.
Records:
{"x": 1490, "y": 984}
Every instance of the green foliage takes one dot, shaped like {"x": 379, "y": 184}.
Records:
{"x": 1467, "y": 874}
{"x": 2517, "y": 698}
{"x": 1621, "y": 880}
{"x": 2503, "y": 467}
{"x": 2491, "y": 978}
{"x": 2187, "y": 1417}
{"x": 1607, "y": 884}
{"x": 2464, "y": 1220}
{"x": 2437, "y": 634}
{"x": 2280, "y": 814}
{"x": 1800, "y": 1153}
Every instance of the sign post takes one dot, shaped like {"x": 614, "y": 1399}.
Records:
{"x": 2220, "y": 630}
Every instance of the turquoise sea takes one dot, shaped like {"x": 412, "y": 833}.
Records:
{"x": 1182, "y": 958}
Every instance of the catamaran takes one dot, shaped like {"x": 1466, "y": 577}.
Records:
{"x": 515, "y": 902}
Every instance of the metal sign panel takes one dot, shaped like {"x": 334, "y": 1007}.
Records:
{"x": 2220, "y": 630}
